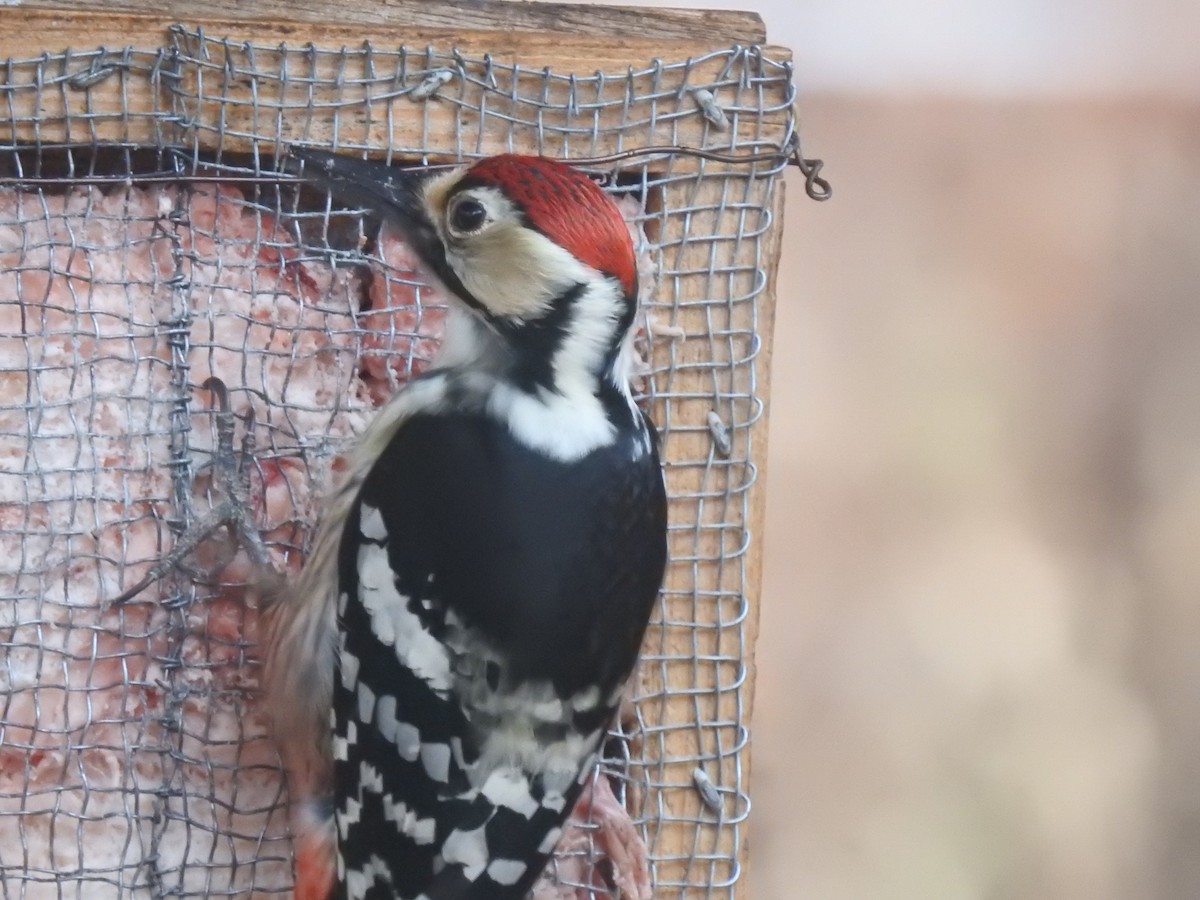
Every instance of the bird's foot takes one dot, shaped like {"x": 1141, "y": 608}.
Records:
{"x": 231, "y": 482}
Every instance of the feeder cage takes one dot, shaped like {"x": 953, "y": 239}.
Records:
{"x": 150, "y": 239}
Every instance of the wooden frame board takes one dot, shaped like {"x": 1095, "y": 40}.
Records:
{"x": 119, "y": 96}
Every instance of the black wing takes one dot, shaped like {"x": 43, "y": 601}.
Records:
{"x": 475, "y": 571}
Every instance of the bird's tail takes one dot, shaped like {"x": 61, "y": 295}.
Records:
{"x": 315, "y": 848}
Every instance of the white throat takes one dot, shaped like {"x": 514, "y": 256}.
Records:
{"x": 565, "y": 420}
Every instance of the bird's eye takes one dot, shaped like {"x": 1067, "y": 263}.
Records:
{"x": 467, "y": 216}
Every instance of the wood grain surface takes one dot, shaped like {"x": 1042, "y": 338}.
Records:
{"x": 731, "y": 26}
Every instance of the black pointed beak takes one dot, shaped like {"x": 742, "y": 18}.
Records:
{"x": 396, "y": 195}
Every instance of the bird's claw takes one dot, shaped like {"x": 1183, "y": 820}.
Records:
{"x": 231, "y": 478}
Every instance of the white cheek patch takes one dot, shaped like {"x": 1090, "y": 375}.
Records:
{"x": 514, "y": 271}
{"x": 595, "y": 318}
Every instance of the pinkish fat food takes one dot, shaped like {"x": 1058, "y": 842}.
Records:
{"x": 598, "y": 829}
{"x": 88, "y": 281}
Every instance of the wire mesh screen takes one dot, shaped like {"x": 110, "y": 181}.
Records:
{"x": 148, "y": 243}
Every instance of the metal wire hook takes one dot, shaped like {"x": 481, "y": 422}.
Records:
{"x": 815, "y": 186}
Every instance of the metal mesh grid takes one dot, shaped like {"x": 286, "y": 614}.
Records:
{"x": 146, "y": 246}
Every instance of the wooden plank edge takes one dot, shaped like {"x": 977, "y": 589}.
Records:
{"x": 733, "y": 26}
{"x": 17, "y": 25}
{"x": 56, "y": 30}
{"x": 105, "y": 100}
{"x": 757, "y": 513}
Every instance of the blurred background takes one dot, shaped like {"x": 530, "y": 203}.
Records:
{"x": 979, "y": 663}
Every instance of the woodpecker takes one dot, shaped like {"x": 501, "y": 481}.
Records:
{"x": 478, "y": 590}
